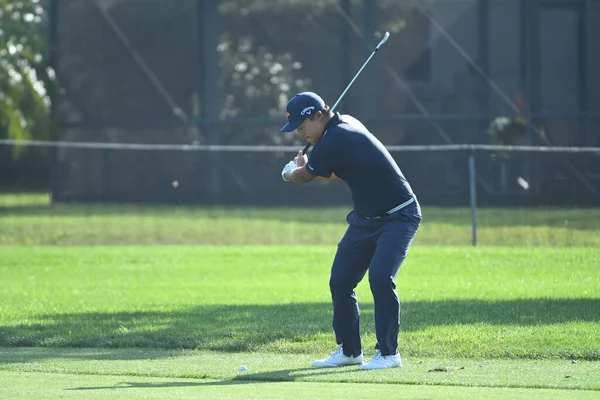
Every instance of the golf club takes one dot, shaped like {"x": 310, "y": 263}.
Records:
{"x": 385, "y": 38}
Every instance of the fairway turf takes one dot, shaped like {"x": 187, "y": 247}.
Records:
{"x": 471, "y": 317}
{"x": 480, "y": 303}
{"x": 32, "y": 220}
{"x": 282, "y": 367}
{"x": 19, "y": 385}
{"x": 176, "y": 321}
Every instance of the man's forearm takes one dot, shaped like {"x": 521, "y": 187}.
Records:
{"x": 299, "y": 175}
{"x": 333, "y": 177}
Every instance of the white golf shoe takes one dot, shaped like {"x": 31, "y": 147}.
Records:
{"x": 338, "y": 359}
{"x": 379, "y": 362}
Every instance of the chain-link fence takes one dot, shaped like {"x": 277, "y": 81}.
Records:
{"x": 220, "y": 72}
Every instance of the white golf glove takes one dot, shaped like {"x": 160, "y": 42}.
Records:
{"x": 288, "y": 167}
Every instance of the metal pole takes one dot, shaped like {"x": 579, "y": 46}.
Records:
{"x": 345, "y": 57}
{"x": 210, "y": 92}
{"x": 472, "y": 196}
{"x": 525, "y": 78}
{"x": 532, "y": 82}
{"x": 484, "y": 62}
{"x": 52, "y": 34}
{"x": 369, "y": 83}
{"x": 582, "y": 58}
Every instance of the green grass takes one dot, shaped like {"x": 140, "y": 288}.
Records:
{"x": 479, "y": 303}
{"x": 131, "y": 368}
{"x": 17, "y": 385}
{"x": 32, "y": 220}
{"x": 123, "y": 319}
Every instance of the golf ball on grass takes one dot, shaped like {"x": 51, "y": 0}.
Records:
{"x": 243, "y": 368}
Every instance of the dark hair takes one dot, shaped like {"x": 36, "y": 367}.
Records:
{"x": 325, "y": 111}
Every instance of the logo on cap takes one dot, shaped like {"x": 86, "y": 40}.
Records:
{"x": 307, "y": 110}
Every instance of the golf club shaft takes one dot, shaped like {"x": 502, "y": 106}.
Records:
{"x": 385, "y": 38}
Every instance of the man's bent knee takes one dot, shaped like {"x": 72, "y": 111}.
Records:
{"x": 381, "y": 283}
{"x": 339, "y": 286}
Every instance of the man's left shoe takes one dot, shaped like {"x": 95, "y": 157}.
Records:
{"x": 379, "y": 362}
{"x": 338, "y": 359}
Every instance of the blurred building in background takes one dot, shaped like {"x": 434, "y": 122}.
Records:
{"x": 220, "y": 72}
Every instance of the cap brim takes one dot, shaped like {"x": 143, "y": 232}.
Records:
{"x": 291, "y": 126}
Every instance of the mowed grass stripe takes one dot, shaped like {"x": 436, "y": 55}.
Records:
{"x": 456, "y": 302}
{"x": 272, "y": 367}
{"x": 32, "y": 220}
{"x": 64, "y": 386}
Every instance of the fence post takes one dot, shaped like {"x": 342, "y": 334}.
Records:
{"x": 472, "y": 195}
{"x": 209, "y": 89}
{"x": 52, "y": 54}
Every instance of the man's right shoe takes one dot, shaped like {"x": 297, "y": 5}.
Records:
{"x": 379, "y": 361}
{"x": 338, "y": 359}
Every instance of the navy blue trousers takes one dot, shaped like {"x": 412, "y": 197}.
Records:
{"x": 378, "y": 246}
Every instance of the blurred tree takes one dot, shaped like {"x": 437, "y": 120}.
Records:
{"x": 24, "y": 73}
{"x": 265, "y": 81}
{"x": 257, "y": 77}
{"x": 267, "y": 51}
{"x": 259, "y": 73}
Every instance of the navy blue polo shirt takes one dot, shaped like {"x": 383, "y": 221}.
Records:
{"x": 355, "y": 155}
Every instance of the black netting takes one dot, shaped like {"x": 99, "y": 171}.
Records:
{"x": 221, "y": 72}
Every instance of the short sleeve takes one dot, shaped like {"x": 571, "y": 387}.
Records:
{"x": 321, "y": 161}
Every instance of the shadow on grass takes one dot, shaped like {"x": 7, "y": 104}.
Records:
{"x": 149, "y": 385}
{"x": 581, "y": 219}
{"x": 239, "y": 328}
{"x": 286, "y": 375}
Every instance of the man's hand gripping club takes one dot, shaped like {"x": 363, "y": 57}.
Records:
{"x": 287, "y": 169}
{"x": 295, "y": 170}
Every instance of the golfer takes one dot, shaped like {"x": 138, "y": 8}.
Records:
{"x": 382, "y": 224}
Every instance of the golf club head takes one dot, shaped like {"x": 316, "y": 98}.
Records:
{"x": 385, "y": 38}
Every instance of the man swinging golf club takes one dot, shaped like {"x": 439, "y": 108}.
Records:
{"x": 382, "y": 225}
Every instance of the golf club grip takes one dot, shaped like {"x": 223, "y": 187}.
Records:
{"x": 306, "y": 148}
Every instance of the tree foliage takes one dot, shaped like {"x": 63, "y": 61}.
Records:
{"x": 256, "y": 77}
{"x": 265, "y": 52}
{"x": 25, "y": 76}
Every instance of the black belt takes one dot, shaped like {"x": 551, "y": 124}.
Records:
{"x": 393, "y": 210}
